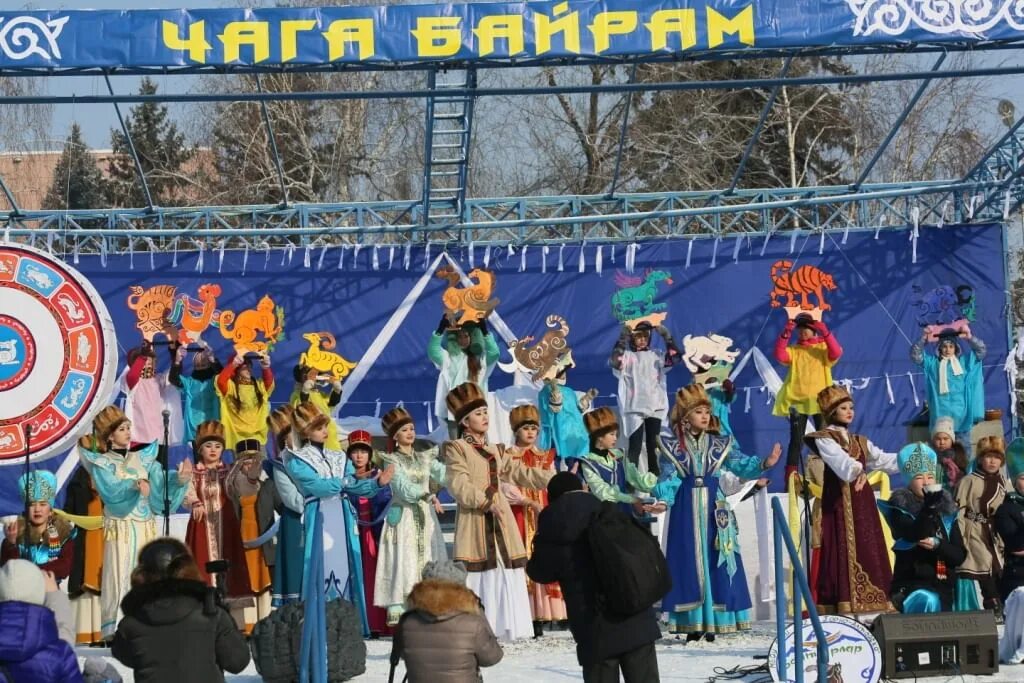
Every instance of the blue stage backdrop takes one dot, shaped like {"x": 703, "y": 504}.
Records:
{"x": 722, "y": 288}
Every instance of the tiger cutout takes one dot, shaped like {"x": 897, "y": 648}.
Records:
{"x": 803, "y": 281}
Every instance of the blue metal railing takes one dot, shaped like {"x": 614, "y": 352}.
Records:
{"x": 801, "y": 592}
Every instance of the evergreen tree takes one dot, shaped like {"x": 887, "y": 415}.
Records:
{"x": 162, "y": 153}
{"x": 77, "y": 180}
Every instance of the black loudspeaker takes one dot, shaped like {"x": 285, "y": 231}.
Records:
{"x": 946, "y": 643}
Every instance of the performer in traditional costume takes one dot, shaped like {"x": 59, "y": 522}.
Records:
{"x": 370, "y": 512}
{"x": 461, "y": 354}
{"x": 147, "y": 394}
{"x": 86, "y": 572}
{"x": 546, "y": 603}
{"x": 331, "y": 554}
{"x": 810, "y": 362}
{"x": 928, "y": 544}
{"x": 1009, "y": 524}
{"x": 307, "y": 389}
{"x": 131, "y": 486}
{"x": 486, "y": 538}
{"x": 561, "y": 419}
{"x": 246, "y": 480}
{"x": 978, "y": 496}
{"x": 642, "y": 392}
{"x": 289, "y": 504}
{"x": 608, "y": 474}
{"x": 199, "y": 399}
{"x": 412, "y": 533}
{"x": 245, "y": 400}
{"x": 43, "y": 538}
{"x": 951, "y": 459}
{"x": 954, "y": 380}
{"x": 855, "y": 575}
{"x": 709, "y": 586}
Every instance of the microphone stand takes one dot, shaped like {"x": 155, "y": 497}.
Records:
{"x": 167, "y": 475}
{"x": 28, "y": 470}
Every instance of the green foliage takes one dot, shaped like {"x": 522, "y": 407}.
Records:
{"x": 77, "y": 181}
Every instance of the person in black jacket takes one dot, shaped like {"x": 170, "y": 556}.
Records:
{"x": 173, "y": 628}
{"x": 604, "y": 645}
{"x": 1009, "y": 523}
{"x": 928, "y": 544}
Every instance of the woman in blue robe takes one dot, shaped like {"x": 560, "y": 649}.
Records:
{"x": 954, "y": 382}
{"x": 709, "y": 586}
{"x": 561, "y": 420}
{"x": 286, "y": 582}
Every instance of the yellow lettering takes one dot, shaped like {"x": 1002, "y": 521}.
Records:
{"x": 568, "y": 25}
{"x": 608, "y": 24}
{"x": 289, "y": 36}
{"x": 238, "y": 33}
{"x": 437, "y": 36}
{"x": 350, "y": 31}
{"x": 508, "y": 27}
{"x": 719, "y": 26}
{"x": 666, "y": 21}
{"x": 195, "y": 43}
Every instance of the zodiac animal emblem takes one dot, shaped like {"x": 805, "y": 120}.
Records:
{"x": 320, "y": 357}
{"x": 20, "y": 37}
{"x": 468, "y": 304}
{"x": 194, "y": 324}
{"x": 6, "y": 440}
{"x": 6, "y": 266}
{"x": 635, "y": 298}
{"x": 701, "y": 353}
{"x": 542, "y": 357}
{"x": 82, "y": 349}
{"x": 75, "y": 395}
{"x": 803, "y": 281}
{"x": 265, "y": 318}
{"x": 151, "y": 308}
{"x": 9, "y": 352}
{"x": 943, "y": 305}
{"x": 71, "y": 308}
{"x": 38, "y": 277}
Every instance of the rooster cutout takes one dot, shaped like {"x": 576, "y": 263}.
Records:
{"x": 194, "y": 316}
{"x": 266, "y": 318}
{"x": 467, "y": 304}
{"x": 319, "y": 356}
{"x": 547, "y": 357}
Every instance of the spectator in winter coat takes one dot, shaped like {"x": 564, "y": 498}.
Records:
{"x": 1009, "y": 523}
{"x": 444, "y": 636}
{"x": 172, "y": 630}
{"x": 604, "y": 645}
{"x": 31, "y": 648}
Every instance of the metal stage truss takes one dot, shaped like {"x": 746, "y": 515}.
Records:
{"x": 443, "y": 213}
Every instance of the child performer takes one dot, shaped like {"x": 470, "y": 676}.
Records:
{"x": 951, "y": 464}
{"x": 979, "y": 495}
{"x": 854, "y": 576}
{"x": 1009, "y": 525}
{"x": 370, "y": 511}
{"x": 306, "y": 389}
{"x": 461, "y": 354}
{"x": 412, "y": 535}
{"x": 709, "y": 587}
{"x": 331, "y": 555}
{"x": 643, "y": 396}
{"x": 245, "y": 400}
{"x": 810, "y": 362}
{"x": 928, "y": 544}
{"x": 486, "y": 538}
{"x": 131, "y": 485}
{"x": 546, "y": 603}
{"x": 607, "y": 472}
{"x": 199, "y": 400}
{"x": 289, "y": 504}
{"x": 44, "y": 539}
{"x": 561, "y": 419}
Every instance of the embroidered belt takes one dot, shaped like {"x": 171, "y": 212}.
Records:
{"x": 975, "y": 517}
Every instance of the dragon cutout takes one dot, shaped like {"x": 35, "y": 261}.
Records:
{"x": 635, "y": 300}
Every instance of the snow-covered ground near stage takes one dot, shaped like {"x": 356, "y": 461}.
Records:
{"x": 552, "y": 659}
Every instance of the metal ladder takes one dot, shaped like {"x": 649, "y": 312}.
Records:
{"x": 449, "y": 129}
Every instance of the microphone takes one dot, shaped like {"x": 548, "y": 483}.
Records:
{"x": 167, "y": 415}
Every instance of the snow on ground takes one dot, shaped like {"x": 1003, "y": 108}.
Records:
{"x": 552, "y": 659}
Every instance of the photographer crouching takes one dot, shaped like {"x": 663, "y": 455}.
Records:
{"x": 175, "y": 628}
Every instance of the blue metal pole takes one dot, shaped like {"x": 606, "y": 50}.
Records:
{"x": 798, "y": 631}
{"x": 273, "y": 146}
{"x": 131, "y": 146}
{"x": 898, "y": 124}
{"x": 780, "y": 594}
{"x": 10, "y": 197}
{"x": 622, "y": 136}
{"x": 757, "y": 129}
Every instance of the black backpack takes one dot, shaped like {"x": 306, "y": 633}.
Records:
{"x": 631, "y": 570}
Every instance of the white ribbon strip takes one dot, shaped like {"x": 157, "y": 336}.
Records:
{"x": 320, "y": 261}
{"x": 202, "y": 253}
{"x": 1006, "y": 205}
{"x": 407, "y": 257}
{"x": 152, "y": 252}
{"x": 391, "y": 257}
{"x": 736, "y": 249}
{"x": 746, "y": 401}
{"x": 426, "y": 257}
{"x": 714, "y": 254}
{"x": 103, "y": 252}
{"x": 355, "y": 255}
{"x": 341, "y": 256}
{"x": 487, "y": 256}
{"x": 174, "y": 258}
{"x": 583, "y": 258}
{"x": 821, "y": 243}
{"x": 265, "y": 246}
{"x": 307, "y": 257}
{"x": 599, "y": 259}
{"x": 970, "y": 206}
{"x": 245, "y": 258}
{"x": 689, "y": 252}
{"x": 375, "y": 261}
{"x": 846, "y": 234}
{"x": 792, "y": 239}
{"x": 220, "y": 255}
{"x": 522, "y": 259}
{"x": 376, "y": 409}
{"x": 77, "y": 248}
{"x": 544, "y": 259}
{"x": 429, "y": 407}
{"x": 613, "y": 252}
{"x": 561, "y": 264}
{"x": 913, "y": 388}
{"x": 131, "y": 253}
{"x": 472, "y": 255}
{"x": 888, "y": 390}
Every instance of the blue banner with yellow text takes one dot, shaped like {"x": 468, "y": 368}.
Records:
{"x": 524, "y": 31}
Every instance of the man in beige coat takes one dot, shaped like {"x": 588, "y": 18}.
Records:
{"x": 487, "y": 539}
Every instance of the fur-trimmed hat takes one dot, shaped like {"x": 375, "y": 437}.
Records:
{"x": 600, "y": 421}
{"x": 211, "y": 430}
{"x": 104, "y": 424}
{"x": 247, "y": 448}
{"x": 360, "y": 437}
{"x": 992, "y": 445}
{"x": 280, "y": 420}
{"x": 688, "y": 398}
{"x": 395, "y": 419}
{"x": 944, "y": 425}
{"x": 520, "y": 416}
{"x": 464, "y": 399}
{"x": 831, "y": 398}
{"x": 916, "y": 458}
{"x": 306, "y": 418}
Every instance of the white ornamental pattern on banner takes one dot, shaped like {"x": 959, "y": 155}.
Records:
{"x": 968, "y": 17}
{"x": 23, "y": 37}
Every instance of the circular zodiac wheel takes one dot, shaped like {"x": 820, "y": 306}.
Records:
{"x": 58, "y": 354}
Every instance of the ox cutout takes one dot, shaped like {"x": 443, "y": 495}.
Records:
{"x": 467, "y": 304}
{"x": 635, "y": 300}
